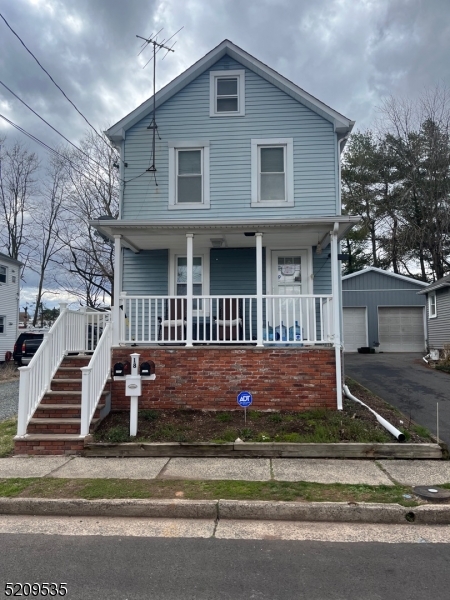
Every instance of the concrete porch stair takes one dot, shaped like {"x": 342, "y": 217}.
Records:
{"x": 56, "y": 423}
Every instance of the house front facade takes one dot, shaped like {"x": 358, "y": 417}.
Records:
{"x": 9, "y": 304}
{"x": 236, "y": 209}
{"x": 437, "y": 296}
{"x": 227, "y": 272}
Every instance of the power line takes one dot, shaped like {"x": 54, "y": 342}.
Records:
{"x": 51, "y": 127}
{"x": 56, "y": 153}
{"x": 53, "y": 81}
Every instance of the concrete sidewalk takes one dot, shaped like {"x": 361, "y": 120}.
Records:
{"x": 370, "y": 472}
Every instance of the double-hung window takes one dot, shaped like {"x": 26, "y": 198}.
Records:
{"x": 272, "y": 172}
{"x": 3, "y": 274}
{"x": 432, "y": 308}
{"x": 197, "y": 278}
{"x": 189, "y": 175}
{"x": 227, "y": 93}
{"x": 2, "y": 324}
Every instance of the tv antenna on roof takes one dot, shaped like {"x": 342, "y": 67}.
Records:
{"x": 157, "y": 46}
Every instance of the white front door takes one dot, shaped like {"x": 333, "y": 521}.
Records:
{"x": 290, "y": 278}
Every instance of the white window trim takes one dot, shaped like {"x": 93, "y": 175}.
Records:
{"x": 173, "y": 261}
{"x": 288, "y": 143}
{"x": 187, "y": 145}
{"x": 213, "y": 76}
{"x": 434, "y": 314}
{"x": 6, "y": 275}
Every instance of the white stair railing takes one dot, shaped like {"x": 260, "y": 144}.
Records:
{"x": 94, "y": 378}
{"x": 73, "y": 331}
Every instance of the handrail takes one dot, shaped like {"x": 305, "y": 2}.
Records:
{"x": 94, "y": 378}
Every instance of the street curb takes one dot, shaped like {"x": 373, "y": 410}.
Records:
{"x": 336, "y": 512}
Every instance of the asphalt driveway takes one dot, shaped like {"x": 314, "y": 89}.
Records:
{"x": 405, "y": 381}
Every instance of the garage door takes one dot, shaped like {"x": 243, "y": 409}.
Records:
{"x": 355, "y": 329}
{"x": 401, "y": 329}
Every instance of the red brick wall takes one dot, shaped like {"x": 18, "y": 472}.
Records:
{"x": 210, "y": 378}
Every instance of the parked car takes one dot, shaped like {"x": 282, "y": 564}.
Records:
{"x": 26, "y": 345}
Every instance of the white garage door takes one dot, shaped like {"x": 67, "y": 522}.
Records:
{"x": 401, "y": 329}
{"x": 355, "y": 330}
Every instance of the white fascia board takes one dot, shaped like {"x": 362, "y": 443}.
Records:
{"x": 377, "y": 270}
{"x": 13, "y": 261}
{"x": 341, "y": 123}
{"x": 431, "y": 287}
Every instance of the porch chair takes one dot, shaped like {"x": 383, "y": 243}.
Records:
{"x": 173, "y": 327}
{"x": 229, "y": 321}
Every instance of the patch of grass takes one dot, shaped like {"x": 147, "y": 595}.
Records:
{"x": 262, "y": 437}
{"x": 8, "y": 430}
{"x": 8, "y": 371}
{"x": 223, "y": 417}
{"x": 246, "y": 434}
{"x": 422, "y": 431}
{"x": 275, "y": 418}
{"x": 229, "y": 435}
{"x": 149, "y": 415}
{"x": 445, "y": 368}
{"x": 118, "y": 435}
{"x": 254, "y": 414}
{"x": 406, "y": 434}
{"x": 300, "y": 491}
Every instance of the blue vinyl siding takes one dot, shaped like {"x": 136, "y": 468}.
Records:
{"x": 322, "y": 271}
{"x": 233, "y": 271}
{"x": 146, "y": 273}
{"x": 269, "y": 112}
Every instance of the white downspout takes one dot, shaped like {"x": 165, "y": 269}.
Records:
{"x": 336, "y": 311}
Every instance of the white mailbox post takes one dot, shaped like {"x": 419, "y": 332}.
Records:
{"x": 133, "y": 388}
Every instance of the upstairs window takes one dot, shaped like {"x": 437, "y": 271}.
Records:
{"x": 227, "y": 93}
{"x": 2, "y": 324}
{"x": 189, "y": 175}
{"x": 2, "y": 274}
{"x": 272, "y": 172}
{"x": 432, "y": 309}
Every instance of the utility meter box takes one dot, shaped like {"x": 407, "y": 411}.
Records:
{"x": 133, "y": 385}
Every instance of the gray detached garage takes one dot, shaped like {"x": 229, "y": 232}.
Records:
{"x": 382, "y": 309}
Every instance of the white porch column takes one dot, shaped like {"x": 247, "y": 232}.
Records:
{"x": 335, "y": 275}
{"x": 259, "y": 291}
{"x": 189, "y": 285}
{"x": 117, "y": 290}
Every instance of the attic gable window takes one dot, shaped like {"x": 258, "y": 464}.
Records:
{"x": 227, "y": 93}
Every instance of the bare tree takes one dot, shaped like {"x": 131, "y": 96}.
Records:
{"x": 93, "y": 192}
{"x": 47, "y": 220}
{"x": 18, "y": 170}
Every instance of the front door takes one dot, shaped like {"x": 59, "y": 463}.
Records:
{"x": 289, "y": 280}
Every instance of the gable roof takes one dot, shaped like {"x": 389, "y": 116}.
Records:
{"x": 382, "y": 272}
{"x": 440, "y": 283}
{"x": 342, "y": 125}
{"x": 7, "y": 258}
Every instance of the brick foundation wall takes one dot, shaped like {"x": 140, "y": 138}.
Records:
{"x": 211, "y": 377}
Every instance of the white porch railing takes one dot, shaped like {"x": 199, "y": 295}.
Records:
{"x": 293, "y": 320}
{"x": 73, "y": 331}
{"x": 94, "y": 377}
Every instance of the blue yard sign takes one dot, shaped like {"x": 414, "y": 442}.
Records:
{"x": 244, "y": 399}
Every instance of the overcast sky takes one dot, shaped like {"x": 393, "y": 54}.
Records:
{"x": 348, "y": 53}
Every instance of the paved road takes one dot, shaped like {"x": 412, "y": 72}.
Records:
{"x": 406, "y": 382}
{"x": 139, "y": 568}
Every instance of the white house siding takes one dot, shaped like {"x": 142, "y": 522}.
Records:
{"x": 439, "y": 328}
{"x": 9, "y": 305}
{"x": 269, "y": 112}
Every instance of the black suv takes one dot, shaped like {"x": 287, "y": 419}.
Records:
{"x": 26, "y": 335}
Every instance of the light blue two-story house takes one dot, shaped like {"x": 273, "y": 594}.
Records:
{"x": 227, "y": 272}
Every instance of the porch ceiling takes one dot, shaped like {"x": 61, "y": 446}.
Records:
{"x": 148, "y": 235}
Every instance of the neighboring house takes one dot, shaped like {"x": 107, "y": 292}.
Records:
{"x": 226, "y": 247}
{"x": 9, "y": 303}
{"x": 382, "y": 310}
{"x": 437, "y": 295}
